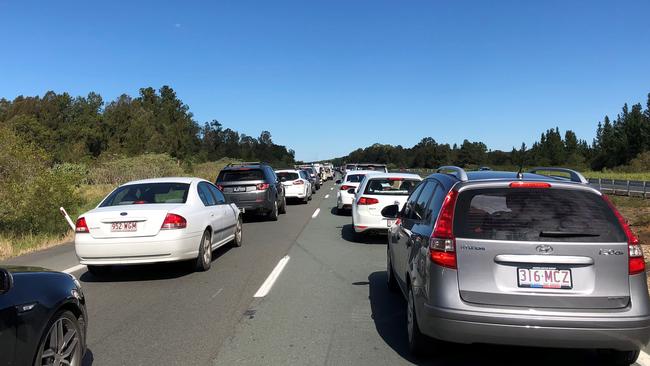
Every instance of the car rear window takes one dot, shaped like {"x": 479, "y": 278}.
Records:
{"x": 381, "y": 168}
{"x": 355, "y": 178}
{"x": 240, "y": 175}
{"x": 147, "y": 193}
{"x": 391, "y": 186}
{"x": 287, "y": 175}
{"x": 535, "y": 215}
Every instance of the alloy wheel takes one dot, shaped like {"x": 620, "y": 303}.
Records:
{"x": 207, "y": 250}
{"x": 61, "y": 346}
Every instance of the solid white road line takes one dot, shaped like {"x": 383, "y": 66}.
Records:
{"x": 332, "y": 188}
{"x": 74, "y": 268}
{"x": 327, "y": 196}
{"x": 644, "y": 359}
{"x": 313, "y": 216}
{"x": 270, "y": 280}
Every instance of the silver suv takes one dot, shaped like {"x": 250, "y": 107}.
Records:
{"x": 518, "y": 259}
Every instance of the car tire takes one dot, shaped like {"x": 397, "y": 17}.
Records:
{"x": 391, "y": 281}
{"x": 620, "y": 358}
{"x": 99, "y": 271}
{"x": 67, "y": 324}
{"x": 204, "y": 259}
{"x": 273, "y": 214}
{"x": 416, "y": 340}
{"x": 283, "y": 208}
{"x": 306, "y": 199}
{"x": 239, "y": 233}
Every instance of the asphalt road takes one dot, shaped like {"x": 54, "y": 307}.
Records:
{"x": 329, "y": 305}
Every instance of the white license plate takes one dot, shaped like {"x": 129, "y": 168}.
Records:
{"x": 124, "y": 226}
{"x": 390, "y": 222}
{"x": 544, "y": 278}
{"x": 239, "y": 189}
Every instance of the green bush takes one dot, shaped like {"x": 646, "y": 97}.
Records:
{"x": 30, "y": 191}
{"x": 118, "y": 169}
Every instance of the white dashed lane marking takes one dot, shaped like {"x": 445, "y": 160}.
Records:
{"x": 270, "y": 280}
{"x": 313, "y": 216}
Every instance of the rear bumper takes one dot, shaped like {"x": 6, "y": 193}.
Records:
{"x": 160, "y": 248}
{"x": 253, "y": 201}
{"x": 364, "y": 222}
{"x": 627, "y": 334}
{"x": 344, "y": 200}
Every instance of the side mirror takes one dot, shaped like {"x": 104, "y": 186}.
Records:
{"x": 6, "y": 281}
{"x": 390, "y": 211}
{"x": 352, "y": 191}
{"x": 338, "y": 181}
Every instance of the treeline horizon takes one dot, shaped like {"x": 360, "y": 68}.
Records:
{"x": 80, "y": 129}
{"x": 620, "y": 143}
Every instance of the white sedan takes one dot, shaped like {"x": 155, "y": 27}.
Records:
{"x": 377, "y": 191}
{"x": 157, "y": 220}
{"x": 350, "y": 181}
{"x": 296, "y": 185}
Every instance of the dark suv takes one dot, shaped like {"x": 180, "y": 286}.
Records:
{"x": 519, "y": 259}
{"x": 253, "y": 187}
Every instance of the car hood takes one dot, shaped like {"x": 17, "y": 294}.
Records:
{"x": 25, "y": 269}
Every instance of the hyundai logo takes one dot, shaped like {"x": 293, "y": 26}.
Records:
{"x": 123, "y": 213}
{"x": 544, "y": 249}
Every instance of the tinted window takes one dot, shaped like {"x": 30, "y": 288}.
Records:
{"x": 217, "y": 194}
{"x": 436, "y": 202}
{"x": 354, "y": 178}
{"x": 420, "y": 209}
{"x": 407, "y": 212}
{"x": 148, "y": 193}
{"x": 287, "y": 175}
{"x": 391, "y": 186}
{"x": 535, "y": 215}
{"x": 204, "y": 194}
{"x": 304, "y": 175}
{"x": 240, "y": 175}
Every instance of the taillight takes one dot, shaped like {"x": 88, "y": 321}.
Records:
{"x": 298, "y": 182}
{"x": 636, "y": 261}
{"x": 219, "y": 187}
{"x": 81, "y": 226}
{"x": 392, "y": 179}
{"x": 262, "y": 186}
{"x": 173, "y": 221}
{"x": 530, "y": 185}
{"x": 345, "y": 188}
{"x": 442, "y": 245}
{"x": 367, "y": 201}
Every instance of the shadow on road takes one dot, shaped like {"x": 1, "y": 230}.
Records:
{"x": 348, "y": 234}
{"x": 343, "y": 212}
{"x": 88, "y": 359}
{"x": 149, "y": 272}
{"x": 389, "y": 315}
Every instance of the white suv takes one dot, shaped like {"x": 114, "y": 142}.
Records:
{"x": 377, "y": 191}
{"x": 296, "y": 185}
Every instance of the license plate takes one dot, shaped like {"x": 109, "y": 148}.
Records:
{"x": 544, "y": 278}
{"x": 239, "y": 189}
{"x": 390, "y": 222}
{"x": 124, "y": 226}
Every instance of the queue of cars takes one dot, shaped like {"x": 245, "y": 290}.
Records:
{"x": 43, "y": 317}
{"x": 512, "y": 258}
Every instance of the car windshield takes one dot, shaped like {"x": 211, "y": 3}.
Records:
{"x": 535, "y": 215}
{"x": 238, "y": 175}
{"x": 147, "y": 193}
{"x": 391, "y": 186}
{"x": 354, "y": 178}
{"x": 287, "y": 175}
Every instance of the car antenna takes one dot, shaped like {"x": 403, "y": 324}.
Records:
{"x": 520, "y": 173}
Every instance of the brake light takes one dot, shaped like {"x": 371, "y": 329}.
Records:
{"x": 173, "y": 221}
{"x": 298, "y": 182}
{"x": 530, "y": 185}
{"x": 395, "y": 179}
{"x": 367, "y": 201}
{"x": 81, "y": 226}
{"x": 442, "y": 244}
{"x": 345, "y": 188}
{"x": 262, "y": 186}
{"x": 636, "y": 261}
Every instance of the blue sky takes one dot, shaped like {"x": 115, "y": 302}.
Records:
{"x": 326, "y": 77}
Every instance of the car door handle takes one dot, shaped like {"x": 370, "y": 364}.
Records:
{"x": 212, "y": 215}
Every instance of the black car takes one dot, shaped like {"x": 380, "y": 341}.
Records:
{"x": 43, "y": 317}
{"x": 253, "y": 187}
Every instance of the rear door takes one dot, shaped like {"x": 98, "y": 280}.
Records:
{"x": 225, "y": 214}
{"x": 559, "y": 247}
{"x": 212, "y": 212}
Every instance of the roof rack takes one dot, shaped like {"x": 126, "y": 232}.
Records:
{"x": 246, "y": 163}
{"x": 574, "y": 175}
{"x": 460, "y": 172}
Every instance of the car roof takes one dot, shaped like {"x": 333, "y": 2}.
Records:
{"x": 288, "y": 170}
{"x": 376, "y": 174}
{"x": 187, "y": 180}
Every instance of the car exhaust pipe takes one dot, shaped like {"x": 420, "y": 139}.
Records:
{"x": 67, "y": 218}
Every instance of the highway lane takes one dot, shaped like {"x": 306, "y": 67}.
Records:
{"x": 166, "y": 314}
{"x": 331, "y": 306}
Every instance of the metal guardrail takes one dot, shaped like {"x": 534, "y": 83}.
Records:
{"x": 617, "y": 187}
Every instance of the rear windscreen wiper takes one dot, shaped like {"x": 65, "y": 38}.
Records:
{"x": 565, "y": 234}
